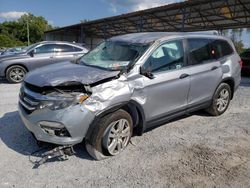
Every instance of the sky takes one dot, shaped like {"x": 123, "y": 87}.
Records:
{"x": 68, "y": 12}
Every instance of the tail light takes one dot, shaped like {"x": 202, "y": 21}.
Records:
{"x": 241, "y": 63}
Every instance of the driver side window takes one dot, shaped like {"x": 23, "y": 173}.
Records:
{"x": 168, "y": 56}
{"x": 47, "y": 48}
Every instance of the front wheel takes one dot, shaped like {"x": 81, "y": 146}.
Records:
{"x": 111, "y": 135}
{"x": 221, "y": 100}
{"x": 15, "y": 74}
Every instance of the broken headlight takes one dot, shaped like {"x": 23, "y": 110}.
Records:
{"x": 56, "y": 104}
{"x": 61, "y": 103}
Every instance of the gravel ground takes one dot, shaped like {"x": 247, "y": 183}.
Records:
{"x": 194, "y": 151}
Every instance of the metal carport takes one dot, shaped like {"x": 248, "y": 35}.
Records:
{"x": 192, "y": 15}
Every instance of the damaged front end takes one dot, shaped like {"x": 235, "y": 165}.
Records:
{"x": 53, "y": 114}
{"x": 58, "y": 97}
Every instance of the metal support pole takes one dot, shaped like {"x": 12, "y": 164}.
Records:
{"x": 28, "y": 31}
{"x": 183, "y": 10}
{"x": 82, "y": 35}
{"x": 141, "y": 24}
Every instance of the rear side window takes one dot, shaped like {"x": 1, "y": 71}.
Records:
{"x": 199, "y": 50}
{"x": 77, "y": 49}
{"x": 64, "y": 48}
{"x": 221, "y": 48}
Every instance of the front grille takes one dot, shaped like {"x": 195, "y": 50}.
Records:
{"x": 29, "y": 103}
{"x": 33, "y": 88}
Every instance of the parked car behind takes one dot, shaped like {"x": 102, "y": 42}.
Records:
{"x": 2, "y": 50}
{"x": 15, "y": 66}
{"x": 14, "y": 50}
{"x": 128, "y": 84}
{"x": 245, "y": 57}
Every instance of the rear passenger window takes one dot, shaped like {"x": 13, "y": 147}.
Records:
{"x": 221, "y": 48}
{"x": 199, "y": 50}
{"x": 64, "y": 48}
{"x": 77, "y": 49}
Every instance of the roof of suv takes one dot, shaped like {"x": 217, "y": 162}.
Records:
{"x": 148, "y": 37}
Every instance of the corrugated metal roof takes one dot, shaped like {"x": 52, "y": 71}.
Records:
{"x": 192, "y": 15}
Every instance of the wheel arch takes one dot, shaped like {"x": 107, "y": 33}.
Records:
{"x": 231, "y": 83}
{"x": 15, "y": 64}
{"x": 137, "y": 114}
{"x": 132, "y": 107}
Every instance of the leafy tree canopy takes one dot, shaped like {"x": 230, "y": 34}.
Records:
{"x": 13, "y": 33}
{"x": 236, "y": 35}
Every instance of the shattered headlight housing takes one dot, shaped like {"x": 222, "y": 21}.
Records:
{"x": 62, "y": 103}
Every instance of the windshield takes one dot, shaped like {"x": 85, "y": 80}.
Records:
{"x": 27, "y": 48}
{"x": 113, "y": 55}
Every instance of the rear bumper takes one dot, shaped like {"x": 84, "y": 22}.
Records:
{"x": 76, "y": 120}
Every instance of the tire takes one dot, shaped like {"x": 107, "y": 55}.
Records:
{"x": 221, "y": 100}
{"x": 107, "y": 139}
{"x": 15, "y": 74}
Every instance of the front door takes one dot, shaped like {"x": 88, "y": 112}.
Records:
{"x": 167, "y": 91}
{"x": 42, "y": 56}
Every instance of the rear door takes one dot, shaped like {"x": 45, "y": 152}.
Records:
{"x": 205, "y": 71}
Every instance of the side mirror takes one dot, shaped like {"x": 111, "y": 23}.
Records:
{"x": 146, "y": 72}
{"x": 31, "y": 53}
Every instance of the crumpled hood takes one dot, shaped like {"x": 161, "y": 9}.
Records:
{"x": 65, "y": 72}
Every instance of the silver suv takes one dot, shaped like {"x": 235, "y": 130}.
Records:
{"x": 14, "y": 66}
{"x": 127, "y": 84}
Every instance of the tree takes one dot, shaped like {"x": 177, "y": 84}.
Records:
{"x": 239, "y": 45}
{"x": 15, "y": 32}
{"x": 6, "y": 41}
{"x": 37, "y": 26}
{"x": 235, "y": 35}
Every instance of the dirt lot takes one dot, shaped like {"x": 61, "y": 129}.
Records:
{"x": 193, "y": 151}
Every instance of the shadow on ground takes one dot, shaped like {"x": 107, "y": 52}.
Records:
{"x": 3, "y": 81}
{"x": 245, "y": 82}
{"x": 14, "y": 135}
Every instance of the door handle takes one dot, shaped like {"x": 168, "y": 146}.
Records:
{"x": 51, "y": 57}
{"x": 184, "y": 76}
{"x": 214, "y": 68}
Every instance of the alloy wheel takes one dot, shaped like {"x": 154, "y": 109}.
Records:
{"x": 117, "y": 137}
{"x": 17, "y": 74}
{"x": 222, "y": 100}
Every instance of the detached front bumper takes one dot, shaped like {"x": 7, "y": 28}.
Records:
{"x": 74, "y": 119}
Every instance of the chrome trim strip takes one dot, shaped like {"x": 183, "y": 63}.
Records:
{"x": 26, "y": 106}
{"x": 32, "y": 103}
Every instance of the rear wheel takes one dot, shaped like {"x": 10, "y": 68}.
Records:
{"x": 221, "y": 100}
{"x": 15, "y": 74}
{"x": 110, "y": 136}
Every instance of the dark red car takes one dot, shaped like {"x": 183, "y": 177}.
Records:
{"x": 245, "y": 57}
